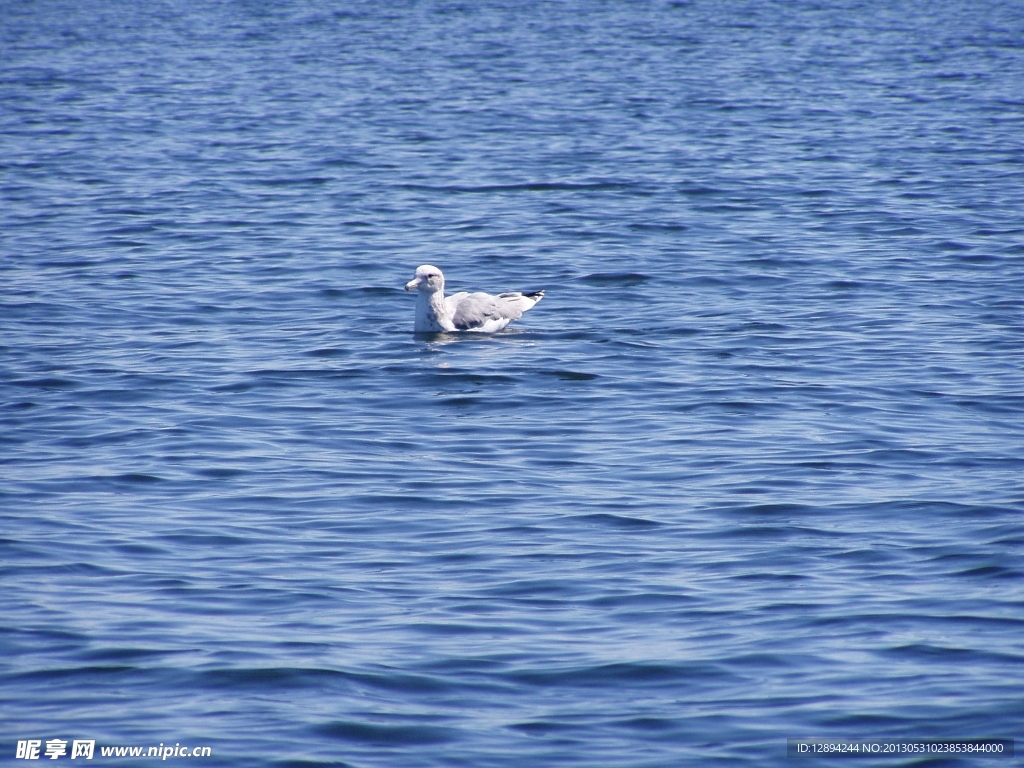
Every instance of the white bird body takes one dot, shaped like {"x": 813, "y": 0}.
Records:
{"x": 475, "y": 312}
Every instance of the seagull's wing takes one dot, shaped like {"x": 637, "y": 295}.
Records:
{"x": 483, "y": 312}
{"x": 479, "y": 311}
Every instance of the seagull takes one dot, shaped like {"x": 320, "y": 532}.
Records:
{"x": 479, "y": 312}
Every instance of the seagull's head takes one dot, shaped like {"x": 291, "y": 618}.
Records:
{"x": 428, "y": 279}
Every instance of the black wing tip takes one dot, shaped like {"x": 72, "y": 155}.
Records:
{"x": 538, "y": 295}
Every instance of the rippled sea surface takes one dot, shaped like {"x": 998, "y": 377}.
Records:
{"x": 753, "y": 469}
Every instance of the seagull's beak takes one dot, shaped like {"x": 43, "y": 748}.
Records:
{"x": 413, "y": 283}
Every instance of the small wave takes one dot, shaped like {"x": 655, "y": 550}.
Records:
{"x": 615, "y": 278}
{"x": 385, "y": 735}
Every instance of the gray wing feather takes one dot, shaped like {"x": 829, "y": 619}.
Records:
{"x": 472, "y": 310}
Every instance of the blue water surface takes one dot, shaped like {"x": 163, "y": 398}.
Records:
{"x": 752, "y": 470}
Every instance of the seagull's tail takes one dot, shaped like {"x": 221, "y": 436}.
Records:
{"x": 527, "y": 301}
